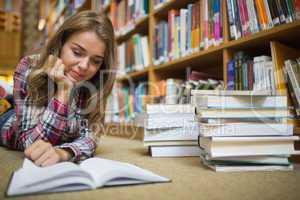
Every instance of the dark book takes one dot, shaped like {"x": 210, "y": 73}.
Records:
{"x": 250, "y": 74}
{"x": 274, "y": 12}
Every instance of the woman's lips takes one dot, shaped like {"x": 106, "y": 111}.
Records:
{"x": 76, "y": 75}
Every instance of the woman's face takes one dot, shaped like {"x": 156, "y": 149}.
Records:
{"x": 82, "y": 54}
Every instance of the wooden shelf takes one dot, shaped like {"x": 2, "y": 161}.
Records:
{"x": 257, "y": 40}
{"x": 141, "y": 25}
{"x": 163, "y": 9}
{"x": 134, "y": 75}
{"x": 285, "y": 33}
{"x": 203, "y": 57}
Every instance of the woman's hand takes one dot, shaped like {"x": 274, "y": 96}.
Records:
{"x": 44, "y": 154}
{"x": 56, "y": 72}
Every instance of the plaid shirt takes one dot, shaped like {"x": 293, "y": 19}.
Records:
{"x": 57, "y": 123}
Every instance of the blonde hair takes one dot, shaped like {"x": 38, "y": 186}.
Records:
{"x": 82, "y": 21}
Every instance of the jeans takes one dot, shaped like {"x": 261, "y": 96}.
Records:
{"x": 3, "y": 118}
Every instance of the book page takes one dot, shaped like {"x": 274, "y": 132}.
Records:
{"x": 35, "y": 174}
{"x": 105, "y": 171}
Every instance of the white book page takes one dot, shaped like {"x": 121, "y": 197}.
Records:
{"x": 31, "y": 178}
{"x": 105, "y": 171}
{"x": 34, "y": 174}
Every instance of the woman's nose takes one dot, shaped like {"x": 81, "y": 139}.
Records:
{"x": 84, "y": 64}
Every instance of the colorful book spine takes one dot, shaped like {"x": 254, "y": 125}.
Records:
{"x": 262, "y": 16}
{"x": 231, "y": 75}
{"x": 297, "y": 8}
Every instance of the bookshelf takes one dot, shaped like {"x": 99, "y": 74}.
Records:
{"x": 286, "y": 33}
{"x": 212, "y": 60}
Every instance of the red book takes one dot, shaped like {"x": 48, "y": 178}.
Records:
{"x": 297, "y": 8}
{"x": 250, "y": 75}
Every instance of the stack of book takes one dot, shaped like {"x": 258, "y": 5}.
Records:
{"x": 170, "y": 130}
{"x": 244, "y": 130}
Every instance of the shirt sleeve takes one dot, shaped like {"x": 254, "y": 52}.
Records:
{"x": 52, "y": 123}
{"x": 84, "y": 146}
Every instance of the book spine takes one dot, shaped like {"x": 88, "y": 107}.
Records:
{"x": 273, "y": 12}
{"x": 244, "y": 76}
{"x": 280, "y": 11}
{"x": 242, "y": 17}
{"x": 268, "y": 13}
{"x": 189, "y": 28}
{"x": 237, "y": 18}
{"x": 297, "y": 8}
{"x": 206, "y": 24}
{"x": 290, "y": 9}
{"x": 262, "y": 14}
{"x": 197, "y": 30}
{"x": 178, "y": 53}
{"x": 232, "y": 26}
{"x": 246, "y": 16}
{"x": 166, "y": 40}
{"x": 283, "y": 4}
{"x": 250, "y": 75}
{"x": 230, "y": 75}
{"x": 217, "y": 35}
{"x": 183, "y": 31}
{"x": 155, "y": 49}
{"x": 211, "y": 37}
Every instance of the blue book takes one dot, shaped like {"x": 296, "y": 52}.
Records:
{"x": 231, "y": 75}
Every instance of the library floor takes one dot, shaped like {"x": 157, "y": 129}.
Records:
{"x": 190, "y": 180}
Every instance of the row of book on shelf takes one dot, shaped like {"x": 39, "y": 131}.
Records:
{"x": 129, "y": 99}
{"x": 228, "y": 130}
{"x": 125, "y": 14}
{"x": 243, "y": 73}
{"x": 133, "y": 54}
{"x": 200, "y": 24}
{"x": 247, "y": 17}
{"x": 56, "y": 13}
{"x": 246, "y": 73}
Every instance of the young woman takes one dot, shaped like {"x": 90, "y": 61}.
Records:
{"x": 61, "y": 93}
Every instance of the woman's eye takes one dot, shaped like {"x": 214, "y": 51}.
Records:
{"x": 97, "y": 62}
{"x": 76, "y": 53}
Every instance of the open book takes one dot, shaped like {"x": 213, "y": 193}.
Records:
{"x": 67, "y": 176}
